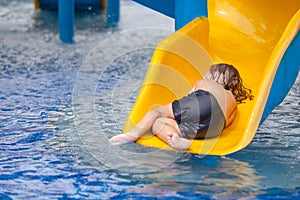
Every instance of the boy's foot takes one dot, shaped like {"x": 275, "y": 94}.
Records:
{"x": 178, "y": 142}
{"x": 122, "y": 139}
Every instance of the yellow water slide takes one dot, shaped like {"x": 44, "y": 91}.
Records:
{"x": 251, "y": 35}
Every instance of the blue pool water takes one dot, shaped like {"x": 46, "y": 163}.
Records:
{"x": 59, "y": 103}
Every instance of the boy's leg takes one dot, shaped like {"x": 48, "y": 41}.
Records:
{"x": 144, "y": 125}
{"x": 177, "y": 142}
{"x": 168, "y": 131}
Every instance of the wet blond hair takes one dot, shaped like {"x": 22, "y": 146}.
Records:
{"x": 229, "y": 77}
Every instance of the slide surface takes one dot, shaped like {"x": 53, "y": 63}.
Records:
{"x": 251, "y": 35}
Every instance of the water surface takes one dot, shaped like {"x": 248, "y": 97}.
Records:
{"x": 60, "y": 103}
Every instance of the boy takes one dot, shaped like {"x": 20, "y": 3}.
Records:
{"x": 210, "y": 107}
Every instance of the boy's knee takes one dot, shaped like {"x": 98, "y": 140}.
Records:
{"x": 160, "y": 110}
{"x": 158, "y": 125}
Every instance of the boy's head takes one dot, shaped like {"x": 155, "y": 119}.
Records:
{"x": 229, "y": 77}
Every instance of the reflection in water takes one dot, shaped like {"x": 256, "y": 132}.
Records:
{"x": 227, "y": 178}
{"x": 235, "y": 176}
